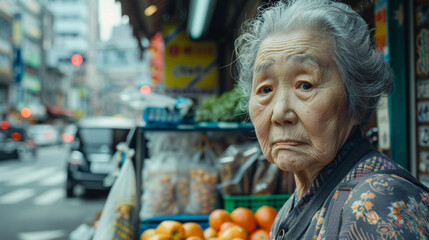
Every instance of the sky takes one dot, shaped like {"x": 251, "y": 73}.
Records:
{"x": 109, "y": 16}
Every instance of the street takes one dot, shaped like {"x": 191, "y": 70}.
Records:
{"x": 33, "y": 204}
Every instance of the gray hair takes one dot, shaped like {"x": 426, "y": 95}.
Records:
{"x": 365, "y": 74}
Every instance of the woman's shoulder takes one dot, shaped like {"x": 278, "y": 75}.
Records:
{"x": 388, "y": 186}
{"x": 387, "y": 204}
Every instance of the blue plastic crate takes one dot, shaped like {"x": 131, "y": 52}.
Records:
{"x": 167, "y": 115}
{"x": 154, "y": 115}
{"x": 202, "y": 220}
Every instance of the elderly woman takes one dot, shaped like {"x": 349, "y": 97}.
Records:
{"x": 312, "y": 78}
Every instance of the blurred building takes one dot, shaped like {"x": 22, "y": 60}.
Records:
{"x": 26, "y": 33}
{"x": 6, "y": 58}
{"x": 120, "y": 67}
{"x": 75, "y": 33}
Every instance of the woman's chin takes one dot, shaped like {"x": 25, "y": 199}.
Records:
{"x": 290, "y": 162}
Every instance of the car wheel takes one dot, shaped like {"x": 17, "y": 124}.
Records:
{"x": 26, "y": 155}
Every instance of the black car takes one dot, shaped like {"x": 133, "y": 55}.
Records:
{"x": 16, "y": 144}
{"x": 90, "y": 158}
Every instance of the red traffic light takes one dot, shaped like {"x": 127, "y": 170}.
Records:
{"x": 76, "y": 60}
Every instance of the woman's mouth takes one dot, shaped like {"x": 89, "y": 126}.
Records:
{"x": 288, "y": 142}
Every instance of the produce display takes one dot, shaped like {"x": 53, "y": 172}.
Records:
{"x": 240, "y": 224}
{"x": 223, "y": 108}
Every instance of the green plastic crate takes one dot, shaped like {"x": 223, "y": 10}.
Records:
{"x": 232, "y": 202}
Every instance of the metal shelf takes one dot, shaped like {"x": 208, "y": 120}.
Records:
{"x": 199, "y": 127}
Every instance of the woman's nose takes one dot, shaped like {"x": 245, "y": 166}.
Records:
{"x": 284, "y": 112}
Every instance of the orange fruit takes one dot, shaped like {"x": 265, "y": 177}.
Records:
{"x": 259, "y": 234}
{"x": 232, "y": 233}
{"x": 194, "y": 238}
{"x": 146, "y": 234}
{"x": 225, "y": 226}
{"x": 217, "y": 217}
{"x": 172, "y": 228}
{"x": 244, "y": 218}
{"x": 193, "y": 229}
{"x": 160, "y": 237}
{"x": 265, "y": 216}
{"x": 210, "y": 233}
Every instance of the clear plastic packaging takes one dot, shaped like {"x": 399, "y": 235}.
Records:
{"x": 203, "y": 181}
{"x": 237, "y": 165}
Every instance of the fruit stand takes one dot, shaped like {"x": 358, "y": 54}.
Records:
{"x": 229, "y": 202}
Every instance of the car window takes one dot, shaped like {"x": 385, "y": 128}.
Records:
{"x": 95, "y": 137}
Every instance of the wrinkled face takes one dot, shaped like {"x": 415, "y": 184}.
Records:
{"x": 297, "y": 103}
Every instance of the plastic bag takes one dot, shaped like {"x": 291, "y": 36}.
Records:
{"x": 166, "y": 174}
{"x": 237, "y": 168}
{"x": 203, "y": 180}
{"x": 158, "y": 188}
{"x": 119, "y": 217}
{"x": 266, "y": 177}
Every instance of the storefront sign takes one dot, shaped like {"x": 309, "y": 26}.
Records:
{"x": 31, "y": 83}
{"x": 16, "y": 30}
{"x": 5, "y": 65}
{"x": 31, "y": 53}
{"x": 422, "y": 44}
{"x": 383, "y": 124}
{"x": 423, "y": 112}
{"x": 381, "y": 40}
{"x": 190, "y": 66}
{"x": 423, "y": 89}
{"x": 31, "y": 26}
{"x": 424, "y": 136}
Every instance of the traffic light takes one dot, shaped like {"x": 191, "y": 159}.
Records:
{"x": 77, "y": 60}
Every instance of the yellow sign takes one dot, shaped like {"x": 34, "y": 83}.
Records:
{"x": 190, "y": 66}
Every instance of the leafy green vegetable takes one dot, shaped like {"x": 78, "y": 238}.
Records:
{"x": 224, "y": 108}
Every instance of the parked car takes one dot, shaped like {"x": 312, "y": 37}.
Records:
{"x": 15, "y": 144}
{"x": 44, "y": 134}
{"x": 91, "y": 153}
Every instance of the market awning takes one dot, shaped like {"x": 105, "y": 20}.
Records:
{"x": 146, "y": 23}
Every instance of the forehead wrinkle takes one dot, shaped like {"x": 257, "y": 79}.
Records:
{"x": 299, "y": 52}
{"x": 303, "y": 58}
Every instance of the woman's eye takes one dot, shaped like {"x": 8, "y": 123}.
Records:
{"x": 266, "y": 90}
{"x": 305, "y": 86}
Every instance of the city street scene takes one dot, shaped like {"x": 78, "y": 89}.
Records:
{"x": 214, "y": 119}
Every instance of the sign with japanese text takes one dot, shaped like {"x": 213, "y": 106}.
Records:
{"x": 423, "y": 89}
{"x": 424, "y": 136}
{"x": 422, "y": 44}
{"x": 381, "y": 40}
{"x": 190, "y": 66}
{"x": 423, "y": 112}
{"x": 383, "y": 124}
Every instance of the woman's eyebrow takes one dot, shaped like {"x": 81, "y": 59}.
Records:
{"x": 263, "y": 66}
{"x": 306, "y": 59}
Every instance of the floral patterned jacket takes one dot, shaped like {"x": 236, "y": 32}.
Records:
{"x": 384, "y": 206}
